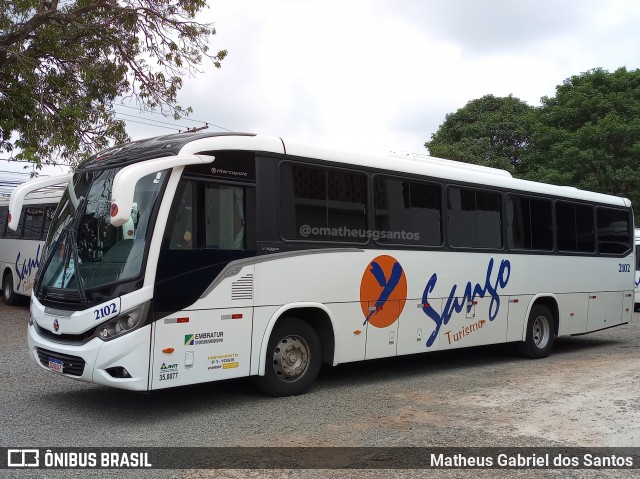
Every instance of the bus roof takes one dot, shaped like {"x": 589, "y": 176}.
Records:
{"x": 45, "y": 195}
{"x": 414, "y": 164}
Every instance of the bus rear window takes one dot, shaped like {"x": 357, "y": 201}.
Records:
{"x": 614, "y": 231}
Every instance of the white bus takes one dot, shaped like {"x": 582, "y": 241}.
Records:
{"x": 248, "y": 255}
{"x": 20, "y": 249}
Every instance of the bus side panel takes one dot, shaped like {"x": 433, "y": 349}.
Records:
{"x": 22, "y": 258}
{"x": 479, "y": 322}
{"x": 627, "y": 307}
{"x": 200, "y": 346}
{"x": 349, "y": 343}
{"x": 416, "y": 327}
{"x": 261, "y": 317}
{"x": 517, "y": 319}
{"x": 573, "y": 308}
{"x": 350, "y": 334}
{"x": 605, "y": 310}
{"x": 331, "y": 279}
{"x": 381, "y": 340}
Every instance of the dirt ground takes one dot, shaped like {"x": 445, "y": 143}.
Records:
{"x": 585, "y": 394}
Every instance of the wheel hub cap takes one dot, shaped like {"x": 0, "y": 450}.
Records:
{"x": 541, "y": 331}
{"x": 291, "y": 358}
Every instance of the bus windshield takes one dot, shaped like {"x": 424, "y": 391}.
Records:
{"x": 84, "y": 250}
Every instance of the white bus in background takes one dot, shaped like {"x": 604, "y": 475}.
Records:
{"x": 20, "y": 250}
{"x": 637, "y": 279}
{"x": 249, "y": 255}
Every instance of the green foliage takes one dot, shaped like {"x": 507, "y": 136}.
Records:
{"x": 587, "y": 135}
{"x": 489, "y": 131}
{"x": 64, "y": 62}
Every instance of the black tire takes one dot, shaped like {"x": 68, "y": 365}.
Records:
{"x": 540, "y": 333}
{"x": 293, "y": 359}
{"x": 8, "y": 294}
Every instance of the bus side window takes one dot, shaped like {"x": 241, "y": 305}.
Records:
{"x": 33, "y": 220}
{"x": 48, "y": 216}
{"x": 324, "y": 201}
{"x": 575, "y": 229}
{"x": 18, "y": 232}
{"x": 407, "y": 206}
{"x": 614, "y": 227}
{"x": 474, "y": 218}
{"x": 529, "y": 223}
{"x": 182, "y": 234}
{"x": 225, "y": 223}
{"x": 214, "y": 216}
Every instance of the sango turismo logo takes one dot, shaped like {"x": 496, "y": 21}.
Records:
{"x": 307, "y": 231}
{"x": 383, "y": 291}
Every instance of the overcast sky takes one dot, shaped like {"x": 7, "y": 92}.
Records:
{"x": 381, "y": 75}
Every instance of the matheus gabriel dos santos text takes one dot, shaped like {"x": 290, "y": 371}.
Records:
{"x": 531, "y": 461}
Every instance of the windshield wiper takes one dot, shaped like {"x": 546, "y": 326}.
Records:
{"x": 67, "y": 238}
{"x": 72, "y": 234}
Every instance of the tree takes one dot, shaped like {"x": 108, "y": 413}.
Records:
{"x": 589, "y": 134}
{"x": 490, "y": 131}
{"x": 63, "y": 63}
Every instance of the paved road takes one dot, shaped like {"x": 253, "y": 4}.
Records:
{"x": 584, "y": 394}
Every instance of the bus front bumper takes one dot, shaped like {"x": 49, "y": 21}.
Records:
{"x": 97, "y": 361}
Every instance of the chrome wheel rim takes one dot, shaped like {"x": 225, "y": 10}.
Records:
{"x": 541, "y": 331}
{"x": 291, "y": 358}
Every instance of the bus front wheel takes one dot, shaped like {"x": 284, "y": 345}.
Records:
{"x": 293, "y": 359}
{"x": 540, "y": 333}
{"x": 8, "y": 295}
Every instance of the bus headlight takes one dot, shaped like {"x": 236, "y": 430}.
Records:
{"x": 123, "y": 324}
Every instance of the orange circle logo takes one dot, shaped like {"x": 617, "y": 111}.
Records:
{"x": 383, "y": 291}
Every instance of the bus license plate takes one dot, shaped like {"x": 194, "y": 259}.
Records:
{"x": 55, "y": 365}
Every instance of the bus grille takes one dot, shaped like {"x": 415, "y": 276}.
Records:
{"x": 72, "y": 365}
{"x": 66, "y": 338}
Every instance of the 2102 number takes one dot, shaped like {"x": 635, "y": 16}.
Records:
{"x": 105, "y": 311}
{"x": 624, "y": 268}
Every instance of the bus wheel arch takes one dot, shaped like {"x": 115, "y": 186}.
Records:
{"x": 541, "y": 329}
{"x": 9, "y": 296}
{"x": 304, "y": 337}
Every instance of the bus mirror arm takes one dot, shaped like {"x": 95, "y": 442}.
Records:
{"x": 19, "y": 193}
{"x": 124, "y": 184}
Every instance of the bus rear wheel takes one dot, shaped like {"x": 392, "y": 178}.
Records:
{"x": 293, "y": 359}
{"x": 540, "y": 333}
{"x": 8, "y": 295}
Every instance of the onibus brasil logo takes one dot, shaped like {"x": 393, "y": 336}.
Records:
{"x": 383, "y": 294}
